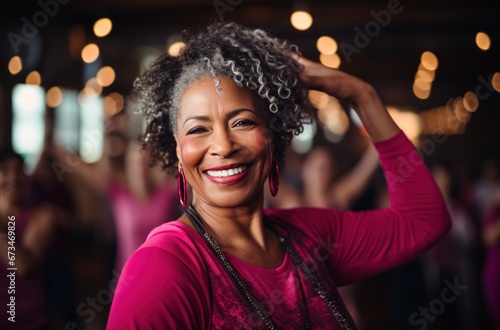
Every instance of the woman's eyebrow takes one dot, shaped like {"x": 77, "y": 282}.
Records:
{"x": 231, "y": 114}
{"x": 202, "y": 118}
{"x": 238, "y": 111}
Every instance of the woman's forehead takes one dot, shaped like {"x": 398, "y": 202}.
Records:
{"x": 203, "y": 96}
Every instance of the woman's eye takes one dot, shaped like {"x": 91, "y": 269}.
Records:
{"x": 244, "y": 123}
{"x": 196, "y": 130}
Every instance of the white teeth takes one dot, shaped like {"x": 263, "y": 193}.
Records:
{"x": 226, "y": 173}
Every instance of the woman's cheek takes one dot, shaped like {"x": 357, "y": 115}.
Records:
{"x": 192, "y": 151}
{"x": 261, "y": 139}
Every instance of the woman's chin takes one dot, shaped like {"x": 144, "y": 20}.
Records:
{"x": 231, "y": 199}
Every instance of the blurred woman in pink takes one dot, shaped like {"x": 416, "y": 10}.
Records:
{"x": 140, "y": 197}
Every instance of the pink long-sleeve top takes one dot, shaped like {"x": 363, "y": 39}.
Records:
{"x": 173, "y": 281}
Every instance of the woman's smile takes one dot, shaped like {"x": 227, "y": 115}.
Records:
{"x": 228, "y": 175}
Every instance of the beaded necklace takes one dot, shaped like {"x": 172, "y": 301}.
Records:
{"x": 243, "y": 288}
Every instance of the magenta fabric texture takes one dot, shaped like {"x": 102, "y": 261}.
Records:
{"x": 174, "y": 282}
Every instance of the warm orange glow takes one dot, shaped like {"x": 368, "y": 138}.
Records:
{"x": 460, "y": 111}
{"x": 175, "y": 48}
{"x": 421, "y": 93}
{"x": 483, "y": 41}
{"x": 429, "y": 61}
{"x": 408, "y": 121}
{"x": 103, "y": 27}
{"x": 301, "y": 20}
{"x": 90, "y": 53}
{"x": 470, "y": 101}
{"x": 318, "y": 99}
{"x": 425, "y": 74}
{"x": 105, "y": 76}
{"x": 422, "y": 83}
{"x": 54, "y": 96}
{"x": 94, "y": 85}
{"x": 326, "y": 45}
{"x": 332, "y": 61}
{"x": 495, "y": 81}
{"x": 113, "y": 103}
{"x": 15, "y": 65}
{"x": 34, "y": 78}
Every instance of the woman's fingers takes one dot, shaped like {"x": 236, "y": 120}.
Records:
{"x": 331, "y": 81}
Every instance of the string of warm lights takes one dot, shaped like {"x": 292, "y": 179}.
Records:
{"x": 451, "y": 118}
{"x": 89, "y": 53}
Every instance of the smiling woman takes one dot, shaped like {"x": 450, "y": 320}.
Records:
{"x": 223, "y": 144}
{"x": 222, "y": 114}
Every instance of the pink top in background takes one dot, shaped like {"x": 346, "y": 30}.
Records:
{"x": 173, "y": 281}
{"x": 135, "y": 218}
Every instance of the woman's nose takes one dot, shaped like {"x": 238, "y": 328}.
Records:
{"x": 223, "y": 144}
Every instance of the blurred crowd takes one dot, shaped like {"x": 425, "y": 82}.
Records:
{"x": 77, "y": 223}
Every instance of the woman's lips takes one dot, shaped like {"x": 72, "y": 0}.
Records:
{"x": 227, "y": 174}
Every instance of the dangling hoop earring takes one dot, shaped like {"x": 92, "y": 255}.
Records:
{"x": 274, "y": 178}
{"x": 181, "y": 187}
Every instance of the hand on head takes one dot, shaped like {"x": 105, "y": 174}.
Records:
{"x": 334, "y": 82}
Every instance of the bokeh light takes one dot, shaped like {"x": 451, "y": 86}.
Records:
{"x": 470, "y": 101}
{"x": 301, "y": 20}
{"x": 483, "y": 41}
{"x": 34, "y": 78}
{"x": 53, "y": 97}
{"x": 421, "y": 93}
{"x": 326, "y": 45}
{"x": 495, "y": 81}
{"x": 15, "y": 65}
{"x": 105, "y": 76}
{"x": 113, "y": 103}
{"x": 90, "y": 53}
{"x": 429, "y": 61}
{"x": 332, "y": 61}
{"x": 102, "y": 27}
{"x": 94, "y": 85}
{"x": 175, "y": 48}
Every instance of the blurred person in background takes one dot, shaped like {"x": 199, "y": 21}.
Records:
{"x": 454, "y": 256}
{"x": 34, "y": 227}
{"x": 140, "y": 197}
{"x": 486, "y": 187}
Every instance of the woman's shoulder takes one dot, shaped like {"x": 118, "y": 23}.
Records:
{"x": 171, "y": 235}
{"x": 172, "y": 242}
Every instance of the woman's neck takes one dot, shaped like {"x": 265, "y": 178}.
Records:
{"x": 240, "y": 231}
{"x": 231, "y": 226}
